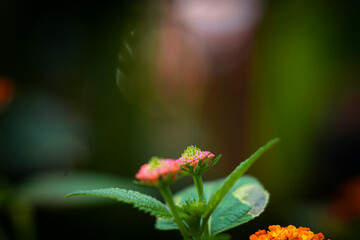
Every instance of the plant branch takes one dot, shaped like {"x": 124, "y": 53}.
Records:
{"x": 199, "y": 186}
{"x": 200, "y": 190}
{"x": 167, "y": 195}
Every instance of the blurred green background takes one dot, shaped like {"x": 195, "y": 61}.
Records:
{"x": 90, "y": 91}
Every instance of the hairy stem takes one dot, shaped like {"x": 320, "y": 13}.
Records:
{"x": 167, "y": 195}
{"x": 200, "y": 190}
{"x": 199, "y": 185}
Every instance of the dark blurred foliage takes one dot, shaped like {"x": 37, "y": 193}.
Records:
{"x": 90, "y": 91}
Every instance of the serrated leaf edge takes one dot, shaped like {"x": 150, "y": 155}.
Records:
{"x": 137, "y": 202}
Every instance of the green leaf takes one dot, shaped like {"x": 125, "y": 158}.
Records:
{"x": 141, "y": 201}
{"x": 184, "y": 195}
{"x": 245, "y": 200}
{"x": 233, "y": 177}
{"x": 165, "y": 224}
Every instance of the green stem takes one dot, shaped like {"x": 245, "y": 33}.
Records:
{"x": 200, "y": 190}
{"x": 206, "y": 230}
{"x": 167, "y": 195}
{"x": 205, "y": 226}
{"x": 199, "y": 185}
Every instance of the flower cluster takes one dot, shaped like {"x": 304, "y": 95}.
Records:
{"x": 290, "y": 232}
{"x": 167, "y": 170}
{"x": 193, "y": 156}
{"x": 164, "y": 169}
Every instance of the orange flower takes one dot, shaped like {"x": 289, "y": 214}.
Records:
{"x": 290, "y": 232}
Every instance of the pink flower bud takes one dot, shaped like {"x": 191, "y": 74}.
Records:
{"x": 192, "y": 155}
{"x": 164, "y": 169}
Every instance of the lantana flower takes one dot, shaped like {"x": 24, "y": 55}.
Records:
{"x": 158, "y": 170}
{"x": 193, "y": 157}
{"x": 277, "y": 232}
